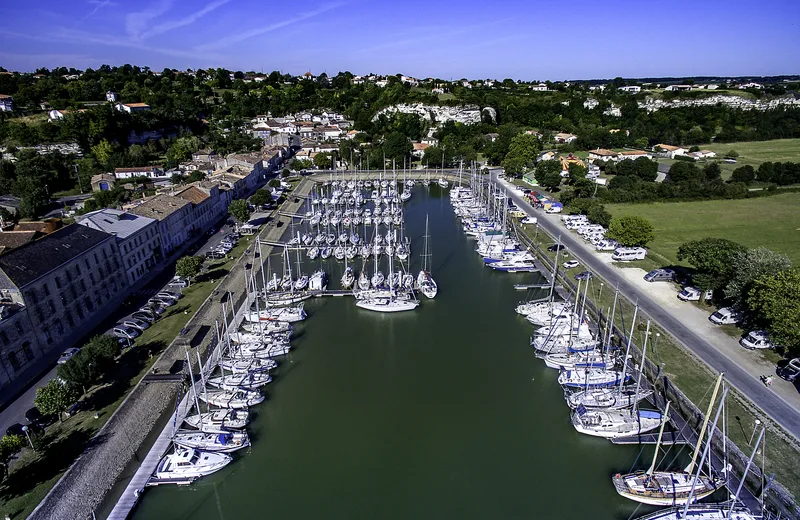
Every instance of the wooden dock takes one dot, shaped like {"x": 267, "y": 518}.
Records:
{"x": 651, "y": 438}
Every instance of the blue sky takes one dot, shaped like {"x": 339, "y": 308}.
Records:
{"x": 521, "y": 39}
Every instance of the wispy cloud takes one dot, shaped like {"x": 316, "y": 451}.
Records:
{"x": 98, "y": 4}
{"x": 138, "y": 23}
{"x": 252, "y": 33}
{"x": 188, "y": 20}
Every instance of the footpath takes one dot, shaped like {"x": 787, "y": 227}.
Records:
{"x": 84, "y": 486}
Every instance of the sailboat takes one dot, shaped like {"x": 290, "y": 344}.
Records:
{"x": 186, "y": 465}
{"x": 348, "y": 277}
{"x": 427, "y": 285}
{"x": 665, "y": 488}
{"x": 236, "y": 399}
{"x": 226, "y": 442}
{"x": 238, "y": 365}
{"x": 248, "y": 380}
{"x": 219, "y": 421}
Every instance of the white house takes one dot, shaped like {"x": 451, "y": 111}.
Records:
{"x": 631, "y": 89}
{"x": 132, "y": 107}
{"x": 151, "y": 172}
{"x": 112, "y": 97}
{"x": 758, "y": 86}
{"x": 541, "y": 87}
{"x": 6, "y": 103}
{"x": 601, "y": 154}
{"x": 562, "y": 138}
{"x": 669, "y": 150}
{"x": 673, "y": 88}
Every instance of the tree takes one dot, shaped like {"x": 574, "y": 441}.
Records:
{"x": 712, "y": 171}
{"x": 188, "y": 267}
{"x": 641, "y": 142}
{"x": 261, "y": 197}
{"x": 551, "y": 181}
{"x": 300, "y": 164}
{"x": 732, "y": 154}
{"x": 775, "y": 301}
{"x": 10, "y": 445}
{"x": 239, "y": 210}
{"x": 274, "y": 183}
{"x": 751, "y": 265}
{"x": 196, "y": 175}
{"x": 745, "y": 174}
{"x": 177, "y": 179}
{"x": 34, "y": 196}
{"x": 713, "y": 260}
{"x": 545, "y": 168}
{"x": 322, "y": 161}
{"x": 81, "y": 371}
{"x": 396, "y": 146}
{"x": 684, "y": 171}
{"x": 55, "y": 397}
{"x": 597, "y": 214}
{"x": 646, "y": 169}
{"x": 522, "y": 153}
{"x": 103, "y": 151}
{"x": 631, "y": 231}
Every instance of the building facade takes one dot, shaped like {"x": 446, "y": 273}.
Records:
{"x": 53, "y": 290}
{"x": 174, "y": 216}
{"x": 138, "y": 239}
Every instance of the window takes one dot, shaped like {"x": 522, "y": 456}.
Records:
{"x": 70, "y": 320}
{"x": 78, "y": 269}
{"x": 51, "y": 307}
{"x": 83, "y": 285}
{"x": 47, "y": 335}
{"x": 59, "y": 327}
{"x": 3, "y": 337}
{"x": 73, "y": 292}
{"x": 91, "y": 277}
{"x": 79, "y": 310}
{"x": 26, "y": 349}
{"x": 67, "y": 274}
{"x": 58, "y": 282}
{"x": 96, "y": 260}
{"x": 18, "y": 327}
{"x": 46, "y": 289}
{"x": 88, "y": 267}
{"x": 89, "y": 304}
{"x": 13, "y": 360}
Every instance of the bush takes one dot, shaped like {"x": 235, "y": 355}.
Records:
{"x": 631, "y": 231}
{"x": 188, "y": 267}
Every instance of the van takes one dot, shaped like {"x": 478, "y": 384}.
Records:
{"x": 660, "y": 275}
{"x": 607, "y": 245}
{"x": 791, "y": 371}
{"x": 693, "y": 294}
{"x": 725, "y": 316}
{"x": 628, "y": 254}
{"x": 756, "y": 339}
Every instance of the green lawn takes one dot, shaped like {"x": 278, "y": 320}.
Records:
{"x": 772, "y": 222}
{"x": 754, "y": 153}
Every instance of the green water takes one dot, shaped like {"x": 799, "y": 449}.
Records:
{"x": 443, "y": 412}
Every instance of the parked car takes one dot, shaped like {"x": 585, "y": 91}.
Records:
{"x": 135, "y": 323}
{"x": 161, "y": 302}
{"x": 144, "y": 316}
{"x": 556, "y": 247}
{"x": 725, "y": 316}
{"x": 155, "y": 310}
{"x": 585, "y": 275}
{"x": 569, "y": 264}
{"x": 67, "y": 355}
{"x": 122, "y": 331}
{"x": 756, "y": 339}
{"x": 693, "y": 294}
{"x": 215, "y": 255}
{"x": 530, "y": 220}
{"x": 170, "y": 295}
{"x": 660, "y": 275}
{"x": 791, "y": 371}
{"x": 178, "y": 282}
{"x": 607, "y": 245}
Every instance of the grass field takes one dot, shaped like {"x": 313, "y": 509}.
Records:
{"x": 754, "y": 153}
{"x": 772, "y": 222}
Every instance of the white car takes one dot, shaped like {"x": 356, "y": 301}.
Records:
{"x": 67, "y": 355}
{"x": 530, "y": 220}
{"x": 121, "y": 331}
{"x": 693, "y": 294}
{"x": 756, "y": 339}
{"x": 569, "y": 264}
{"x": 178, "y": 282}
{"x": 725, "y": 316}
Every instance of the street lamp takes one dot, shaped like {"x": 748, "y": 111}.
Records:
{"x": 28, "y": 435}
{"x": 601, "y": 290}
{"x": 755, "y": 427}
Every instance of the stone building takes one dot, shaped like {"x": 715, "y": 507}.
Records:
{"x": 52, "y": 291}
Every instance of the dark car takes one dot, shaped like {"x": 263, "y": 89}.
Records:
{"x": 585, "y": 275}
{"x": 15, "y": 429}
{"x": 556, "y": 247}
{"x": 33, "y": 415}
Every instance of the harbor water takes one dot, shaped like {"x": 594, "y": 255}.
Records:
{"x": 442, "y": 412}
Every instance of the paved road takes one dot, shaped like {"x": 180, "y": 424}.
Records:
{"x": 781, "y": 411}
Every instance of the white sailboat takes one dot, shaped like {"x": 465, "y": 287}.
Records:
{"x": 218, "y": 421}
{"x": 185, "y": 465}
{"x": 348, "y": 277}
{"x": 427, "y": 285}
{"x": 226, "y": 442}
{"x": 235, "y": 399}
{"x": 246, "y": 380}
{"x": 287, "y": 314}
{"x": 240, "y": 365}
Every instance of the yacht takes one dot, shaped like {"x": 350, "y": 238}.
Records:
{"x": 287, "y": 314}
{"x": 615, "y": 423}
{"x": 348, "y": 277}
{"x": 219, "y": 421}
{"x": 185, "y": 465}
{"x": 574, "y": 360}
{"x": 235, "y": 399}
{"x": 239, "y": 365}
{"x": 664, "y": 488}
{"x": 246, "y": 380}
{"x": 387, "y": 304}
{"x": 583, "y": 378}
{"x": 607, "y": 398}
{"x": 226, "y": 442}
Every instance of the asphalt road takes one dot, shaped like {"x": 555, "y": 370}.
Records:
{"x": 779, "y": 410}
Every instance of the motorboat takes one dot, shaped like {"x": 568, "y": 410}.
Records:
{"x": 348, "y": 277}
{"x": 226, "y": 442}
{"x": 219, "y": 421}
{"x": 185, "y": 465}
{"x": 301, "y": 283}
{"x": 318, "y": 281}
{"x": 516, "y": 265}
{"x": 235, "y": 399}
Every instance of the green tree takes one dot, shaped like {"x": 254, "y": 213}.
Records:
{"x": 745, "y": 174}
{"x": 597, "y": 214}
{"x": 733, "y": 154}
{"x": 196, "y": 176}
{"x": 177, "y": 179}
{"x": 713, "y": 260}
{"x": 300, "y": 164}
{"x": 261, "y": 197}
{"x": 641, "y": 143}
{"x": 10, "y": 445}
{"x": 712, "y": 171}
{"x": 188, "y": 267}
{"x": 103, "y": 151}
{"x": 396, "y": 146}
{"x": 775, "y": 301}
{"x": 551, "y": 180}
{"x": 646, "y": 169}
{"x": 274, "y": 183}
{"x": 521, "y": 156}
{"x": 239, "y": 210}
{"x": 55, "y": 397}
{"x": 81, "y": 371}
{"x": 322, "y": 161}
{"x": 34, "y": 196}
{"x": 545, "y": 169}
{"x": 631, "y": 231}
{"x": 751, "y": 265}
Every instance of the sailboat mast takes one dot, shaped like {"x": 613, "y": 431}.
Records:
{"x": 627, "y": 352}
{"x": 702, "y": 433}
{"x": 658, "y": 443}
{"x": 641, "y": 367}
